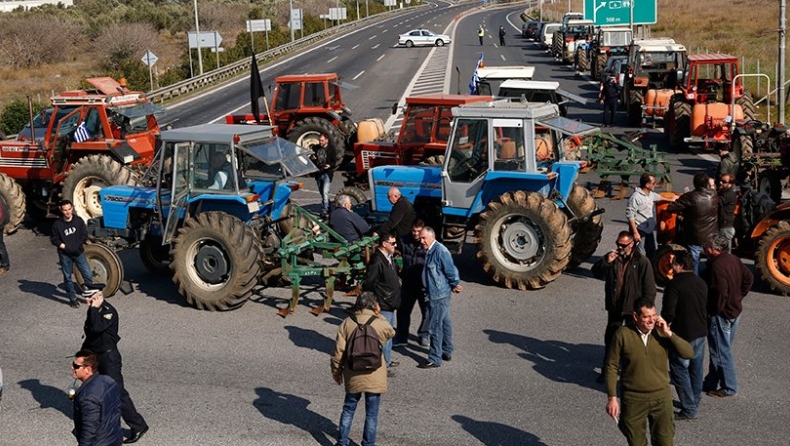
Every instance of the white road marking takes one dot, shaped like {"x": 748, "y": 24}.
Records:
{"x": 354, "y": 47}
{"x": 360, "y": 74}
{"x": 375, "y": 46}
{"x": 502, "y": 56}
{"x": 330, "y": 60}
{"x": 380, "y": 57}
{"x": 373, "y": 37}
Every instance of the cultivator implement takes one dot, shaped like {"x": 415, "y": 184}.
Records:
{"x": 339, "y": 258}
{"x": 612, "y": 156}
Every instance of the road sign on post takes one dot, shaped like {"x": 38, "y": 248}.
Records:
{"x": 618, "y": 12}
{"x": 150, "y": 59}
{"x": 259, "y": 25}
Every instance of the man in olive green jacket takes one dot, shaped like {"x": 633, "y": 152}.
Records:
{"x": 640, "y": 351}
{"x": 371, "y": 383}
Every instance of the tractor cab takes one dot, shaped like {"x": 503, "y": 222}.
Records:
{"x": 489, "y": 79}
{"x": 710, "y": 78}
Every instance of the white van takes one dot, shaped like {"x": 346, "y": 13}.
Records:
{"x": 547, "y": 32}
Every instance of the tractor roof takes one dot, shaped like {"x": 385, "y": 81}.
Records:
{"x": 292, "y": 78}
{"x": 445, "y": 99}
{"x": 506, "y": 72}
{"x": 580, "y": 22}
{"x": 106, "y": 91}
{"x": 506, "y": 108}
{"x": 615, "y": 29}
{"x": 712, "y": 58}
{"x": 530, "y": 85}
{"x": 660, "y": 47}
{"x": 216, "y": 133}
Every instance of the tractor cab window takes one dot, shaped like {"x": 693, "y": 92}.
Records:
{"x": 444, "y": 126}
{"x": 468, "y": 157}
{"x": 69, "y": 124}
{"x": 315, "y": 95}
{"x": 211, "y": 167}
{"x": 287, "y": 97}
{"x": 93, "y": 123}
{"x": 175, "y": 168}
{"x": 509, "y": 154}
{"x": 418, "y": 125}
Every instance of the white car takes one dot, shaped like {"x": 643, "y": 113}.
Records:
{"x": 422, "y": 37}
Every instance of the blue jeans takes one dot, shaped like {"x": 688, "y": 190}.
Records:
{"x": 372, "y": 401}
{"x": 695, "y": 251}
{"x": 323, "y": 182}
{"x": 687, "y": 377}
{"x": 67, "y": 267}
{"x": 441, "y": 330}
{"x": 721, "y": 370}
{"x": 387, "y": 348}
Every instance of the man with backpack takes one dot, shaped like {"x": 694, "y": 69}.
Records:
{"x": 5, "y": 265}
{"x": 358, "y": 362}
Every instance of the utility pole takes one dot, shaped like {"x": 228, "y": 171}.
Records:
{"x": 197, "y": 38}
{"x": 291, "y": 18}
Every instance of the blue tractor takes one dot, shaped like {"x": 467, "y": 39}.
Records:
{"x": 509, "y": 174}
{"x": 216, "y": 209}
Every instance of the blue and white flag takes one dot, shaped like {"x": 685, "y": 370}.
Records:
{"x": 475, "y": 77}
{"x": 82, "y": 134}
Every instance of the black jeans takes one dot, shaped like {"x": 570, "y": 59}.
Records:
{"x": 408, "y": 297}
{"x": 613, "y": 323}
{"x": 110, "y": 364}
{"x": 609, "y": 108}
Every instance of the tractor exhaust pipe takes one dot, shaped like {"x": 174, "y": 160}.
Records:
{"x": 30, "y": 110}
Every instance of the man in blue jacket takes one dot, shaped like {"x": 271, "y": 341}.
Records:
{"x": 440, "y": 278}
{"x": 97, "y": 404}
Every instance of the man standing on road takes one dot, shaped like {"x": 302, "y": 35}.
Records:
{"x": 684, "y": 305}
{"x": 640, "y": 353}
{"x": 101, "y": 337}
{"x": 383, "y": 281}
{"x": 641, "y": 215}
{"x": 401, "y": 215}
{"x": 97, "y": 404}
{"x": 727, "y": 203}
{"x": 502, "y": 34}
{"x": 371, "y": 383}
{"x": 729, "y": 281}
{"x": 700, "y": 211}
{"x": 412, "y": 290}
{"x": 69, "y": 235}
{"x": 610, "y": 91}
{"x": 346, "y": 222}
{"x": 5, "y": 264}
{"x": 729, "y": 164}
{"x": 440, "y": 279}
{"x": 322, "y": 155}
{"x": 480, "y": 34}
{"x": 629, "y": 277}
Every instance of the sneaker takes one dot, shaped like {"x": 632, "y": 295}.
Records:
{"x": 425, "y": 341}
{"x": 428, "y": 365}
{"x": 390, "y": 373}
{"x": 682, "y": 417}
{"x": 74, "y": 303}
{"x": 394, "y": 363}
{"x": 446, "y": 357}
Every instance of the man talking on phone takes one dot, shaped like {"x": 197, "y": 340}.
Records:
{"x": 629, "y": 277}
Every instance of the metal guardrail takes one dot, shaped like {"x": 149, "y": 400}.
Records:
{"x": 207, "y": 79}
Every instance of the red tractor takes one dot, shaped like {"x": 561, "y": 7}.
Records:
{"x": 422, "y": 137}
{"x": 89, "y": 139}
{"x": 710, "y": 101}
{"x": 305, "y": 106}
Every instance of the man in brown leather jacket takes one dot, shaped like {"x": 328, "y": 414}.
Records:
{"x": 700, "y": 211}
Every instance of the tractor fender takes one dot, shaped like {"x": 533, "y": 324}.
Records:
{"x": 413, "y": 182}
{"x": 782, "y": 212}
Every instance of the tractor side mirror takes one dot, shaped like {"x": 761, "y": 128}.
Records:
{"x": 395, "y": 108}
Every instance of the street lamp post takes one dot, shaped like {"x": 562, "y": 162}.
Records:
{"x": 291, "y": 18}
{"x": 197, "y": 39}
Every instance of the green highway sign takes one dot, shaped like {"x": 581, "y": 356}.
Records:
{"x": 618, "y": 12}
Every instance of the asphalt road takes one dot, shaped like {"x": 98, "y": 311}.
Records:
{"x": 523, "y": 372}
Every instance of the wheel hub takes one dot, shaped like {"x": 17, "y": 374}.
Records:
{"x": 520, "y": 241}
{"x": 211, "y": 264}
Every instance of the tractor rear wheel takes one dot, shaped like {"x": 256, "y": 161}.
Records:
{"x": 87, "y": 177}
{"x": 524, "y": 240}
{"x": 11, "y": 192}
{"x": 635, "y": 100}
{"x": 773, "y": 257}
{"x": 679, "y": 124}
{"x": 556, "y": 44}
{"x": 583, "y": 62}
{"x": 305, "y": 134}
{"x": 216, "y": 261}
{"x": 662, "y": 263}
{"x": 356, "y": 194}
{"x": 599, "y": 66}
{"x": 742, "y": 145}
{"x": 586, "y": 235}
{"x": 154, "y": 255}
{"x": 106, "y": 267}
{"x": 747, "y": 105}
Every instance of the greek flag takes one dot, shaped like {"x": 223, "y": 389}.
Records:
{"x": 475, "y": 77}
{"x": 81, "y": 134}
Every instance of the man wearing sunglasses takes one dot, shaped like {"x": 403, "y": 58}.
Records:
{"x": 97, "y": 404}
{"x": 629, "y": 277}
{"x": 382, "y": 280}
{"x": 101, "y": 337}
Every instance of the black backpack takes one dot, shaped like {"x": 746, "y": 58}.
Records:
{"x": 363, "y": 350}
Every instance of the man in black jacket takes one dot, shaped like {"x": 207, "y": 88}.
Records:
{"x": 323, "y": 154}
{"x": 383, "y": 281}
{"x": 700, "y": 211}
{"x": 629, "y": 277}
{"x": 684, "y": 308}
{"x": 101, "y": 337}
{"x": 69, "y": 235}
{"x": 401, "y": 216}
{"x": 97, "y": 413}
{"x": 5, "y": 264}
{"x": 412, "y": 290}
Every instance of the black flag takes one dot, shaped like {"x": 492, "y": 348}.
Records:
{"x": 256, "y": 90}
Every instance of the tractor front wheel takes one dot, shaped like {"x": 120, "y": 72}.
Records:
{"x": 86, "y": 179}
{"x": 583, "y": 62}
{"x": 216, "y": 261}
{"x": 106, "y": 267}
{"x": 305, "y": 134}
{"x": 586, "y": 234}
{"x": 773, "y": 257}
{"x": 770, "y": 183}
{"x": 599, "y": 66}
{"x": 356, "y": 194}
{"x": 679, "y": 124}
{"x": 154, "y": 255}
{"x": 11, "y": 192}
{"x": 635, "y": 101}
{"x": 524, "y": 240}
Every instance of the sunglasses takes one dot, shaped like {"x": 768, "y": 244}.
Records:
{"x": 392, "y": 243}
{"x": 76, "y": 366}
{"x": 624, "y": 245}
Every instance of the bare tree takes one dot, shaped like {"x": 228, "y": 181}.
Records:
{"x": 125, "y": 41}
{"x": 31, "y": 40}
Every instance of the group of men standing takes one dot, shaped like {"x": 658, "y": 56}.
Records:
{"x": 697, "y": 303}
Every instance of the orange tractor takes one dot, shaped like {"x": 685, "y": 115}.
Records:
{"x": 710, "y": 100}
{"x": 88, "y": 140}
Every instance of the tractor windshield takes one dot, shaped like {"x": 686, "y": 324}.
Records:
{"x": 134, "y": 118}
{"x": 567, "y": 126}
{"x": 419, "y": 125}
{"x": 271, "y": 153}
{"x": 619, "y": 38}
